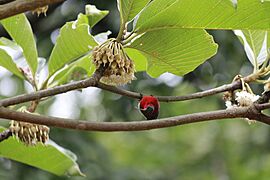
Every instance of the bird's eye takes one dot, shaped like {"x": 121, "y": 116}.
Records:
{"x": 149, "y": 109}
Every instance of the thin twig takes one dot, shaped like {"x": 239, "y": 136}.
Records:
{"x": 263, "y": 102}
{"x": 92, "y": 81}
{"x": 223, "y": 88}
{"x": 262, "y": 106}
{"x": 21, "y": 6}
{"x": 243, "y": 112}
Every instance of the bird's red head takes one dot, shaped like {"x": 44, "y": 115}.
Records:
{"x": 149, "y": 107}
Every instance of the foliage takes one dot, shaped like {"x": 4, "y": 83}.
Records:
{"x": 51, "y": 158}
{"x": 167, "y": 36}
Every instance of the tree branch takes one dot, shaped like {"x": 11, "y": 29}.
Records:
{"x": 92, "y": 81}
{"x": 239, "y": 112}
{"x": 243, "y": 112}
{"x": 20, "y": 6}
{"x": 227, "y": 87}
{"x": 262, "y": 106}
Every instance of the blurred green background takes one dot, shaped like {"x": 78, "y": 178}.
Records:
{"x": 224, "y": 149}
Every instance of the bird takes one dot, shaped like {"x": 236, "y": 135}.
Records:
{"x": 149, "y": 107}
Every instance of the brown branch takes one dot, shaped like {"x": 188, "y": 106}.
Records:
{"x": 124, "y": 126}
{"x": 20, "y": 6}
{"x": 223, "y": 88}
{"x": 92, "y": 81}
{"x": 263, "y": 106}
{"x": 263, "y": 102}
{"x": 95, "y": 83}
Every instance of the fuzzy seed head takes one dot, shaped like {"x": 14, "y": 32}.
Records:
{"x": 245, "y": 98}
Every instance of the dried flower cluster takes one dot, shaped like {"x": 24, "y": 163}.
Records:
{"x": 28, "y": 133}
{"x": 41, "y": 10}
{"x": 119, "y": 68}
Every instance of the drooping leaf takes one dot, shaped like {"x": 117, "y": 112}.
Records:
{"x": 130, "y": 8}
{"x": 51, "y": 157}
{"x": 204, "y": 14}
{"x": 20, "y": 30}
{"x": 255, "y": 45}
{"x": 10, "y": 44}
{"x": 177, "y": 51}
{"x": 92, "y": 15}
{"x": 139, "y": 59}
{"x": 7, "y": 62}
{"x": 77, "y": 70}
{"x": 73, "y": 42}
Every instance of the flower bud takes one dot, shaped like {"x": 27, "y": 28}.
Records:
{"x": 119, "y": 68}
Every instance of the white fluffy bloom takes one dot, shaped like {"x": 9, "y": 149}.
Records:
{"x": 245, "y": 99}
{"x": 229, "y": 104}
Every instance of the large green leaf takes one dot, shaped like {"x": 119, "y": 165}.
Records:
{"x": 130, "y": 8}
{"x": 73, "y": 42}
{"x": 92, "y": 15}
{"x": 178, "y": 51}
{"x": 204, "y": 14}
{"x": 255, "y": 45}
{"x": 50, "y": 157}
{"x": 139, "y": 59}
{"x": 20, "y": 30}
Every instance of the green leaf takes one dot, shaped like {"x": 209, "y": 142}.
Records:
{"x": 130, "y": 8}
{"x": 20, "y": 30}
{"x": 255, "y": 45}
{"x": 177, "y": 51}
{"x": 204, "y": 14}
{"x": 77, "y": 70}
{"x": 92, "y": 15}
{"x": 7, "y": 62}
{"x": 51, "y": 157}
{"x": 138, "y": 58}
{"x": 73, "y": 42}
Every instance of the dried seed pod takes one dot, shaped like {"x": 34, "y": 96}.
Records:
{"x": 41, "y": 10}
{"x": 28, "y": 133}
{"x": 104, "y": 59}
{"x": 119, "y": 67}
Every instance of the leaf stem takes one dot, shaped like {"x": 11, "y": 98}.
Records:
{"x": 121, "y": 32}
{"x": 129, "y": 38}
